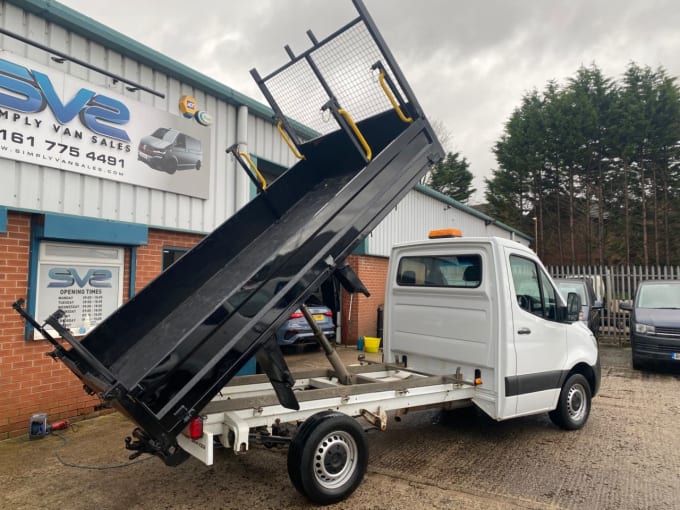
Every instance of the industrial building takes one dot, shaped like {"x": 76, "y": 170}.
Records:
{"x": 113, "y": 163}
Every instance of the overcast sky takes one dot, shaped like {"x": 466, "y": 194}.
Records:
{"x": 469, "y": 62}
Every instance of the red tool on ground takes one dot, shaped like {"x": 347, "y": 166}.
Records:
{"x": 59, "y": 425}
{"x": 38, "y": 426}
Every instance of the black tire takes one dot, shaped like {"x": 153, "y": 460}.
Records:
{"x": 573, "y": 406}
{"x": 169, "y": 165}
{"x": 637, "y": 364}
{"x": 328, "y": 457}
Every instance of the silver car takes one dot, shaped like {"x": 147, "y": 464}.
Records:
{"x": 296, "y": 330}
{"x": 591, "y": 308}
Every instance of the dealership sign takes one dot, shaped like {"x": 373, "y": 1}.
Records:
{"x": 51, "y": 119}
{"x": 84, "y": 281}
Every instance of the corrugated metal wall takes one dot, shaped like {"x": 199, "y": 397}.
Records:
{"x": 31, "y": 187}
{"x": 36, "y": 188}
{"x": 418, "y": 213}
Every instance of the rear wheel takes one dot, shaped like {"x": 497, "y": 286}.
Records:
{"x": 573, "y": 406}
{"x": 328, "y": 457}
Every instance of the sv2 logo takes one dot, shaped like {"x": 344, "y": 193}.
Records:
{"x": 32, "y": 91}
{"x": 68, "y": 277}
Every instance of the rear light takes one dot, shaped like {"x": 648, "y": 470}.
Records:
{"x": 296, "y": 315}
{"x": 580, "y": 315}
{"x": 328, "y": 313}
{"x": 196, "y": 428}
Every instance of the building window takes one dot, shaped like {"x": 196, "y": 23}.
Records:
{"x": 270, "y": 171}
{"x": 171, "y": 255}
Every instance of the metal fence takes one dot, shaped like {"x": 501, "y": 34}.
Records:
{"x": 614, "y": 284}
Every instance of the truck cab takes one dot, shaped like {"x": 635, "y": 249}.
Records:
{"x": 487, "y": 307}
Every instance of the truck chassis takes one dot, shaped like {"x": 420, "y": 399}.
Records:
{"x": 329, "y": 468}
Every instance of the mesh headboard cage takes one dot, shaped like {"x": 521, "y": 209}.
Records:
{"x": 344, "y": 61}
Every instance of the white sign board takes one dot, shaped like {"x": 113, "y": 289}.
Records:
{"x": 85, "y": 281}
{"x": 52, "y": 119}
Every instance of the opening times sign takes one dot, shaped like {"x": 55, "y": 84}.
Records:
{"x": 85, "y": 281}
{"x": 52, "y": 119}
{"x": 86, "y": 293}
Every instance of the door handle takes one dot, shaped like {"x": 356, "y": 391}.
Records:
{"x": 523, "y": 331}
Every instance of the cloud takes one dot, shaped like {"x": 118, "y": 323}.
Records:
{"x": 468, "y": 62}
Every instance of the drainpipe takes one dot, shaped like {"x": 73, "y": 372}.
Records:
{"x": 242, "y": 181}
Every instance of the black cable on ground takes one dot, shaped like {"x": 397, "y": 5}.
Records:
{"x": 57, "y": 453}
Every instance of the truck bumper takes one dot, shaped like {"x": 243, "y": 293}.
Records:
{"x": 597, "y": 373}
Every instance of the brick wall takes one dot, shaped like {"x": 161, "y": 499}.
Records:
{"x": 30, "y": 381}
{"x": 360, "y": 316}
{"x": 150, "y": 257}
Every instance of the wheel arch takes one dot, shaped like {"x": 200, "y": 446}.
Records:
{"x": 592, "y": 375}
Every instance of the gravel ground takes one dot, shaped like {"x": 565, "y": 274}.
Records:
{"x": 625, "y": 458}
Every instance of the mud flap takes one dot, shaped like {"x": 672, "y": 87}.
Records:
{"x": 270, "y": 358}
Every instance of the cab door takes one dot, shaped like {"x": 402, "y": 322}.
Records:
{"x": 540, "y": 341}
{"x": 180, "y": 150}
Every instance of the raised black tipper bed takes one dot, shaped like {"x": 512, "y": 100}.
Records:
{"x": 163, "y": 355}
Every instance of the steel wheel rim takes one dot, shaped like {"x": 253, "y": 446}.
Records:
{"x": 335, "y": 460}
{"x": 577, "y": 403}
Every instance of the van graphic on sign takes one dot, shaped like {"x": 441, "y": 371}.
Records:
{"x": 168, "y": 150}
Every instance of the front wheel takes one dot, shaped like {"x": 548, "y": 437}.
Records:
{"x": 169, "y": 164}
{"x": 573, "y": 406}
{"x": 328, "y": 457}
{"x": 637, "y": 364}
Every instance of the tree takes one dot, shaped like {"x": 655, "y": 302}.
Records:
{"x": 451, "y": 176}
{"x": 665, "y": 130}
{"x": 444, "y": 135}
{"x": 596, "y": 163}
{"x": 522, "y": 156}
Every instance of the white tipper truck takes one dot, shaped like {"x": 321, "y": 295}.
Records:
{"x": 468, "y": 321}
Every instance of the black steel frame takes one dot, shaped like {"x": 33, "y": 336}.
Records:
{"x": 163, "y": 355}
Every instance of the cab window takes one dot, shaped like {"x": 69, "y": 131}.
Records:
{"x": 440, "y": 271}
{"x": 534, "y": 292}
{"x": 193, "y": 144}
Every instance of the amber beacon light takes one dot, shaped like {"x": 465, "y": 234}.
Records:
{"x": 443, "y": 233}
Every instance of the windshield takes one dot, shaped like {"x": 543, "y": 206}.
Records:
{"x": 163, "y": 134}
{"x": 659, "y": 296}
{"x": 566, "y": 287}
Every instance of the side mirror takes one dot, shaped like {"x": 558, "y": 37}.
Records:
{"x": 598, "y": 305}
{"x": 573, "y": 306}
{"x": 626, "y": 305}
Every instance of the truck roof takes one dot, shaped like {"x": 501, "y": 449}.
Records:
{"x": 493, "y": 240}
